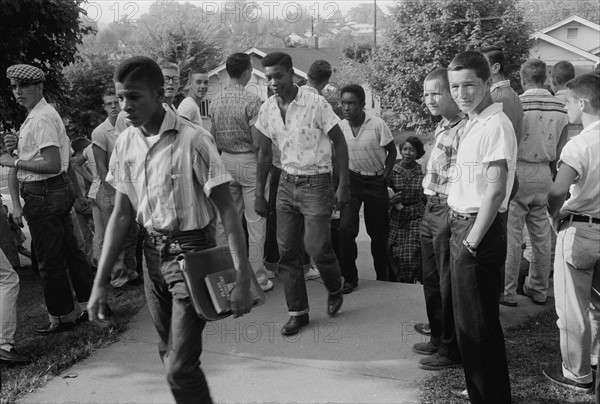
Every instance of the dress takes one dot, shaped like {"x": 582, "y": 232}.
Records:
{"x": 404, "y": 245}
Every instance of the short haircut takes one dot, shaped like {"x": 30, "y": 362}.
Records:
{"x": 417, "y": 144}
{"x": 164, "y": 65}
{"x": 356, "y": 90}
{"x": 140, "y": 68}
{"x": 471, "y": 60}
{"x": 195, "y": 71}
{"x": 320, "y": 71}
{"x": 562, "y": 72}
{"x": 533, "y": 71}
{"x": 586, "y": 86}
{"x": 237, "y": 64}
{"x": 495, "y": 55}
{"x": 278, "y": 59}
{"x": 109, "y": 92}
{"x": 441, "y": 73}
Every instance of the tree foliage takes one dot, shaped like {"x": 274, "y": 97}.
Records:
{"x": 543, "y": 13}
{"x": 427, "y": 34}
{"x": 41, "y": 33}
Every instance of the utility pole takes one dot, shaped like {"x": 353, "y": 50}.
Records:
{"x": 375, "y": 23}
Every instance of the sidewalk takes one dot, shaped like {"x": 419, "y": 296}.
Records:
{"x": 363, "y": 355}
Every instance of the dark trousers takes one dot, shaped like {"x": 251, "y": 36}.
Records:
{"x": 475, "y": 283}
{"x": 178, "y": 325}
{"x": 373, "y": 192}
{"x": 61, "y": 262}
{"x": 437, "y": 285}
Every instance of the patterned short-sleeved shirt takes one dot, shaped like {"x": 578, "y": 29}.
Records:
{"x": 302, "y": 139}
{"x": 234, "y": 110}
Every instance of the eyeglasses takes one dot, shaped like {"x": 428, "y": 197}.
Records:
{"x": 174, "y": 79}
{"x": 111, "y": 104}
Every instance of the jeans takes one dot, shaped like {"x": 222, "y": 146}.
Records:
{"x": 178, "y": 325}
{"x": 61, "y": 263}
{"x": 305, "y": 201}
{"x": 9, "y": 292}
{"x": 373, "y": 192}
{"x": 577, "y": 294}
{"x": 529, "y": 207}
{"x": 124, "y": 269}
{"x": 437, "y": 284}
{"x": 475, "y": 284}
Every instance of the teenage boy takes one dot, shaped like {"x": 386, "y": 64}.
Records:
{"x": 234, "y": 112}
{"x": 43, "y": 150}
{"x": 372, "y": 154}
{"x": 480, "y": 189}
{"x": 170, "y": 73}
{"x": 435, "y": 232}
{"x": 302, "y": 126}
{"x": 577, "y": 220}
{"x": 560, "y": 75}
{"x": 190, "y": 106}
{"x": 177, "y": 170}
{"x": 544, "y": 123}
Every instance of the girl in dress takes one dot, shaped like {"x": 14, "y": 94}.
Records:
{"x": 406, "y": 210}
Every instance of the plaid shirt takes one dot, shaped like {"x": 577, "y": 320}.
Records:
{"x": 443, "y": 155}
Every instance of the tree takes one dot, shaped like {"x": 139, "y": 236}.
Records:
{"x": 364, "y": 14}
{"x": 428, "y": 34}
{"x": 40, "y": 33}
{"x": 543, "y": 13}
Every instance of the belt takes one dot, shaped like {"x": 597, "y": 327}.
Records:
{"x": 377, "y": 174}
{"x": 57, "y": 179}
{"x": 166, "y": 238}
{"x": 438, "y": 199}
{"x": 295, "y": 179}
{"x": 462, "y": 216}
{"x": 584, "y": 219}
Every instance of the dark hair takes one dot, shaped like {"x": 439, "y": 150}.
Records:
{"x": 237, "y": 64}
{"x": 166, "y": 65}
{"x": 140, "y": 68}
{"x": 495, "y": 55}
{"x": 587, "y": 86}
{"x": 439, "y": 73}
{"x": 471, "y": 60}
{"x": 562, "y": 72}
{"x": 356, "y": 90}
{"x": 195, "y": 71}
{"x": 278, "y": 59}
{"x": 109, "y": 92}
{"x": 417, "y": 144}
{"x": 533, "y": 71}
{"x": 320, "y": 71}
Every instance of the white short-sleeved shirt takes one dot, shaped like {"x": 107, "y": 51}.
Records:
{"x": 303, "y": 138}
{"x": 104, "y": 136}
{"x": 366, "y": 151}
{"x": 582, "y": 154}
{"x": 169, "y": 182}
{"x": 487, "y": 138}
{"x": 42, "y": 128}
{"x": 90, "y": 164}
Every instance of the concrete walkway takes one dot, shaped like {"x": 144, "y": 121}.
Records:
{"x": 363, "y": 355}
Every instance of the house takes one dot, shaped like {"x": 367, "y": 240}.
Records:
{"x": 573, "y": 39}
{"x": 302, "y": 59}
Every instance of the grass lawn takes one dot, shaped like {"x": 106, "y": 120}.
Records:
{"x": 53, "y": 353}
{"x": 530, "y": 348}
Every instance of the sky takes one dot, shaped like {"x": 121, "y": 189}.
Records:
{"x": 107, "y": 11}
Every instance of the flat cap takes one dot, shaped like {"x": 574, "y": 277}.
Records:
{"x": 25, "y": 74}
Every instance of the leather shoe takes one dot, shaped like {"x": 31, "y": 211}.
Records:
{"x": 334, "y": 303}
{"x": 348, "y": 287}
{"x": 294, "y": 324}
{"x": 53, "y": 328}
{"x": 460, "y": 392}
{"x": 437, "y": 362}
{"x": 555, "y": 375}
{"x": 423, "y": 329}
{"x": 12, "y": 356}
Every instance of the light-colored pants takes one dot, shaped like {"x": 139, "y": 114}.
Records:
{"x": 242, "y": 168}
{"x": 9, "y": 291}
{"x": 124, "y": 269}
{"x": 577, "y": 294}
{"x": 528, "y": 207}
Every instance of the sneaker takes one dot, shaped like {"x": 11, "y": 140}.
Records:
{"x": 555, "y": 375}
{"x": 425, "y": 348}
{"x": 437, "y": 362}
{"x": 267, "y": 286}
{"x": 311, "y": 273}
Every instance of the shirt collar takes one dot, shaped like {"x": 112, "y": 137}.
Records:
{"x": 595, "y": 126}
{"x": 537, "y": 91}
{"x": 108, "y": 124}
{"x": 170, "y": 123}
{"x": 503, "y": 83}
{"x": 488, "y": 112}
{"x": 446, "y": 124}
{"x": 564, "y": 91}
{"x": 300, "y": 97}
{"x": 38, "y": 108}
{"x": 310, "y": 89}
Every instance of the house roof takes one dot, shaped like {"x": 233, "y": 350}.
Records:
{"x": 573, "y": 18}
{"x": 302, "y": 58}
{"x": 539, "y": 35}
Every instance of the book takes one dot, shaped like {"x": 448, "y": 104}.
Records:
{"x": 221, "y": 283}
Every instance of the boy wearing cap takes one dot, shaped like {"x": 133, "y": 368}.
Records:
{"x": 43, "y": 150}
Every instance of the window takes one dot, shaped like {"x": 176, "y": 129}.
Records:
{"x": 572, "y": 33}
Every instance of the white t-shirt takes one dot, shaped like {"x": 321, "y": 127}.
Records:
{"x": 189, "y": 110}
{"x": 90, "y": 165}
{"x": 582, "y": 154}
{"x": 487, "y": 138}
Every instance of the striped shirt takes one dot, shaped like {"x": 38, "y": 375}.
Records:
{"x": 544, "y": 118}
{"x": 443, "y": 155}
{"x": 168, "y": 183}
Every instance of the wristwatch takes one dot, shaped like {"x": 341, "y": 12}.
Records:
{"x": 471, "y": 249}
